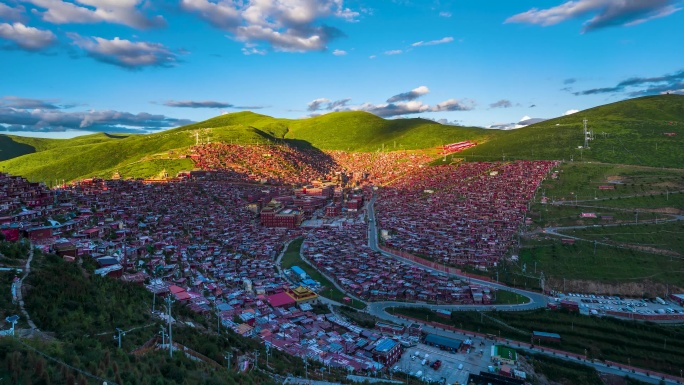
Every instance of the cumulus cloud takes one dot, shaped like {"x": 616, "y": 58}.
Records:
{"x": 28, "y": 38}
{"x": 27, "y": 103}
{"x": 96, "y": 121}
{"x": 125, "y": 53}
{"x": 606, "y": 13}
{"x": 443, "y": 40}
{"x": 291, "y": 26}
{"x": 11, "y": 13}
{"x": 387, "y": 110}
{"x": 454, "y": 105}
{"x": 523, "y": 122}
{"x": 410, "y": 95}
{"x": 327, "y": 104}
{"x": 503, "y": 103}
{"x": 570, "y": 112}
{"x": 317, "y": 104}
{"x": 644, "y": 85}
{"x": 125, "y": 12}
{"x": 339, "y": 52}
{"x": 398, "y": 105}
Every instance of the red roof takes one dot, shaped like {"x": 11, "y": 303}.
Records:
{"x": 175, "y": 289}
{"x": 280, "y": 299}
{"x": 182, "y": 296}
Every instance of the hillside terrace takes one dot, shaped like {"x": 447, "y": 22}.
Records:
{"x": 459, "y": 215}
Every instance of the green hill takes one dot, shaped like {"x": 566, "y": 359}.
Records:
{"x": 628, "y": 132}
{"x": 147, "y": 155}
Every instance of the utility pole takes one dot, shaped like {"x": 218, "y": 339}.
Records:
{"x": 169, "y": 302}
{"x": 228, "y": 356}
{"x": 163, "y": 334}
{"x": 121, "y": 333}
{"x": 256, "y": 359}
{"x": 306, "y": 368}
{"x": 268, "y": 354}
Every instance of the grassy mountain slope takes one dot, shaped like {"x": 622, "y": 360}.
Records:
{"x": 630, "y": 132}
{"x": 362, "y": 131}
{"x": 102, "y": 155}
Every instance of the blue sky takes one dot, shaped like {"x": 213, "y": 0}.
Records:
{"x": 75, "y": 66}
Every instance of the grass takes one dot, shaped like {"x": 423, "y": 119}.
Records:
{"x": 626, "y": 132}
{"x": 667, "y": 237}
{"x": 504, "y": 297}
{"x": 292, "y": 257}
{"x": 581, "y": 181}
{"x": 608, "y": 264}
{"x": 646, "y": 345}
{"x": 563, "y": 372}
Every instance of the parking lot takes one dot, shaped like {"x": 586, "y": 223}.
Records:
{"x": 411, "y": 363}
{"x": 601, "y": 303}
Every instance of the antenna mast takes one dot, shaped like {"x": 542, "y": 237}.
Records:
{"x": 586, "y": 134}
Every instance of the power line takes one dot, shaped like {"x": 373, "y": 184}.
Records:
{"x": 87, "y": 374}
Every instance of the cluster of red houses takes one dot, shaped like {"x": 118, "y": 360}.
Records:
{"x": 342, "y": 253}
{"x": 211, "y": 243}
{"x": 198, "y": 241}
{"x": 465, "y": 214}
{"x": 284, "y": 164}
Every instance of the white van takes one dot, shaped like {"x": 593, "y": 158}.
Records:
{"x": 460, "y": 366}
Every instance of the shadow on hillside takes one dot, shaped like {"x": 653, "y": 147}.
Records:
{"x": 318, "y": 159}
{"x": 116, "y": 136}
{"x": 11, "y": 149}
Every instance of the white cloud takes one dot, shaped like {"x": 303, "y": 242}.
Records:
{"x": 339, "y": 52}
{"x": 607, "y": 13}
{"x": 28, "y": 38}
{"x": 404, "y": 103}
{"x": 443, "y": 40}
{"x": 410, "y": 95}
{"x": 125, "y": 12}
{"x": 317, "y": 104}
{"x": 445, "y": 14}
{"x": 48, "y": 120}
{"x": 285, "y": 25}
{"x": 253, "y": 51}
{"x": 125, "y": 53}
{"x": 372, "y": 56}
{"x": 570, "y": 112}
{"x": 394, "y": 52}
{"x": 454, "y": 105}
{"x": 11, "y": 14}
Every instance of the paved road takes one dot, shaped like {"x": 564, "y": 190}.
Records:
{"x": 537, "y": 300}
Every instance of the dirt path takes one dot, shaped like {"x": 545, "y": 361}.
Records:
{"x": 20, "y": 294}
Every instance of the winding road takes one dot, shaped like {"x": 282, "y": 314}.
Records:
{"x": 537, "y": 300}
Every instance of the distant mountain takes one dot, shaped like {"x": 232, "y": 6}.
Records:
{"x": 646, "y": 131}
{"x": 631, "y": 131}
